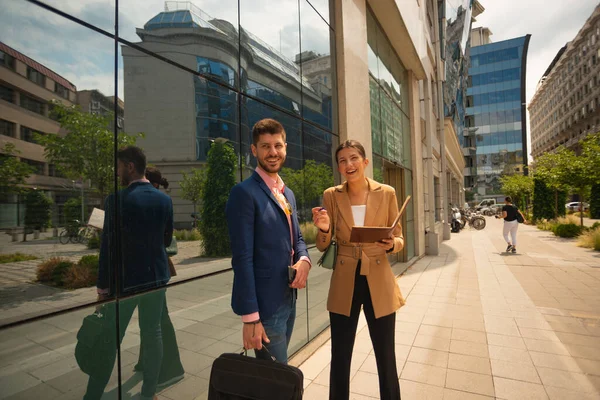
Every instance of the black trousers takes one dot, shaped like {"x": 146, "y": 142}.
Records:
{"x": 343, "y": 333}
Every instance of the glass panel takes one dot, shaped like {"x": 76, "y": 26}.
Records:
{"x": 372, "y": 29}
{"x": 376, "y": 134}
{"x": 387, "y": 125}
{"x": 322, "y": 7}
{"x": 38, "y": 358}
{"x": 100, "y": 13}
{"x": 271, "y": 48}
{"x": 378, "y": 170}
{"x": 410, "y": 231}
{"x": 317, "y": 69}
{"x": 48, "y": 207}
{"x": 201, "y": 36}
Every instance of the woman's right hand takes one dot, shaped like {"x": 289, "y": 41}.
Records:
{"x": 321, "y": 218}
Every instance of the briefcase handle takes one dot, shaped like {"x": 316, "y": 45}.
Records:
{"x": 264, "y": 348}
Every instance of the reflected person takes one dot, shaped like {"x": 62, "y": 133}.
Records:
{"x": 146, "y": 229}
{"x": 362, "y": 275}
{"x": 171, "y": 370}
{"x": 266, "y": 245}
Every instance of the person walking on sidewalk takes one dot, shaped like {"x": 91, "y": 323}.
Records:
{"x": 362, "y": 275}
{"x": 171, "y": 369}
{"x": 511, "y": 223}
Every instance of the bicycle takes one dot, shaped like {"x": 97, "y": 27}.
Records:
{"x": 77, "y": 233}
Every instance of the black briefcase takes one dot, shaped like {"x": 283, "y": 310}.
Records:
{"x": 239, "y": 377}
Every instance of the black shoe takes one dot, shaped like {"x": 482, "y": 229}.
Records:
{"x": 509, "y": 248}
{"x": 514, "y": 249}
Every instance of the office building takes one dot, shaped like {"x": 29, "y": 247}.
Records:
{"x": 495, "y": 139}
{"x": 566, "y": 104}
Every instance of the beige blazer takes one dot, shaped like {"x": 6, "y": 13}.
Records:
{"x": 382, "y": 209}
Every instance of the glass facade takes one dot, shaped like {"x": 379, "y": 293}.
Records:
{"x": 495, "y": 129}
{"x": 179, "y": 78}
{"x": 390, "y": 125}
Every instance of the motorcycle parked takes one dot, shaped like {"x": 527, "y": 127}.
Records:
{"x": 475, "y": 220}
{"x": 455, "y": 224}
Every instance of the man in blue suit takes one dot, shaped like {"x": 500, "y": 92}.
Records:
{"x": 266, "y": 242}
{"x": 146, "y": 229}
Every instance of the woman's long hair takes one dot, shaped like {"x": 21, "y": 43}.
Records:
{"x": 155, "y": 177}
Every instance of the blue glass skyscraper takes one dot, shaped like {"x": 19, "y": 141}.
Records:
{"x": 495, "y": 137}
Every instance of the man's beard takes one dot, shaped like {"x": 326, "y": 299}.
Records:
{"x": 270, "y": 170}
{"x": 125, "y": 179}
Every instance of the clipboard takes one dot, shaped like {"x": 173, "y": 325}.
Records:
{"x": 372, "y": 234}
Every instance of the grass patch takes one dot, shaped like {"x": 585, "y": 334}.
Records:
{"x": 569, "y": 219}
{"x": 590, "y": 239}
{"x": 546, "y": 225}
{"x": 15, "y": 257}
{"x": 309, "y": 232}
{"x": 187, "y": 235}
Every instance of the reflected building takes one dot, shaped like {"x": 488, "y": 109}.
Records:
{"x": 26, "y": 88}
{"x": 94, "y": 102}
{"x": 496, "y": 132}
{"x": 460, "y": 14}
{"x": 566, "y": 105}
{"x": 181, "y": 113}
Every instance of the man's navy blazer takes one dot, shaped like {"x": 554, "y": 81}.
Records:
{"x": 261, "y": 246}
{"x": 146, "y": 223}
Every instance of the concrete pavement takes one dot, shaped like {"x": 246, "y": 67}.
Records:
{"x": 483, "y": 324}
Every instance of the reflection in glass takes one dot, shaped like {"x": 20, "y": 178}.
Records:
{"x": 201, "y": 36}
{"x": 270, "y": 43}
{"x": 376, "y": 134}
{"x": 322, "y": 7}
{"x": 316, "y": 65}
{"x": 62, "y": 84}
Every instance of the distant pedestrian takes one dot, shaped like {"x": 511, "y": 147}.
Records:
{"x": 511, "y": 223}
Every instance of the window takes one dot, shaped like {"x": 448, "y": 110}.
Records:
{"x": 36, "y": 76}
{"x": 28, "y": 134}
{"x": 38, "y": 166}
{"x": 7, "y": 128}
{"x": 61, "y": 90}
{"x": 7, "y": 60}
{"x": 54, "y": 171}
{"x": 7, "y": 94}
{"x": 32, "y": 104}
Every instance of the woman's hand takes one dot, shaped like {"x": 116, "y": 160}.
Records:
{"x": 321, "y": 218}
{"x": 386, "y": 244}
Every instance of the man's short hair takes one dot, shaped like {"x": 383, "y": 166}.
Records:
{"x": 135, "y": 155}
{"x": 266, "y": 126}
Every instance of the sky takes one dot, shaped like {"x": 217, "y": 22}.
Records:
{"x": 551, "y": 23}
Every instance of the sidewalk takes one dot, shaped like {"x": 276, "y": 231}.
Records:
{"x": 483, "y": 324}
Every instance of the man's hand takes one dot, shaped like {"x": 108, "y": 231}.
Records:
{"x": 254, "y": 335}
{"x": 302, "y": 267}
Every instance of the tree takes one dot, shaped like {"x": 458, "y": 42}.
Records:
{"x": 309, "y": 182}
{"x": 517, "y": 186}
{"x": 38, "y": 213}
{"x": 13, "y": 171}
{"x": 550, "y": 168}
{"x": 87, "y": 149}
{"x": 192, "y": 185}
{"x": 220, "y": 178}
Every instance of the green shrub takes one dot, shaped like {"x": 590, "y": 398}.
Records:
{"x": 94, "y": 242}
{"x": 89, "y": 261}
{"x": 595, "y": 225}
{"x": 187, "y": 235}
{"x": 309, "y": 232}
{"x": 38, "y": 210}
{"x": 60, "y": 271}
{"x": 545, "y": 199}
{"x": 15, "y": 257}
{"x": 595, "y": 202}
{"x": 567, "y": 230}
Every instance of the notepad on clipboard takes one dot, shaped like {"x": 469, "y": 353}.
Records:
{"x": 372, "y": 234}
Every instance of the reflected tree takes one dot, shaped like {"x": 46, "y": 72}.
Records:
{"x": 192, "y": 185}
{"x": 87, "y": 149}
{"x": 220, "y": 178}
{"x": 13, "y": 171}
{"x": 308, "y": 183}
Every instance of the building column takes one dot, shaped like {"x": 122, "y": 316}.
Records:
{"x": 354, "y": 106}
{"x": 416, "y": 144}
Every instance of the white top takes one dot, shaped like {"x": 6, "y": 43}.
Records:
{"x": 358, "y": 212}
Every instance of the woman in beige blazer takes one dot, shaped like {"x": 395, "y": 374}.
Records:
{"x": 362, "y": 274}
